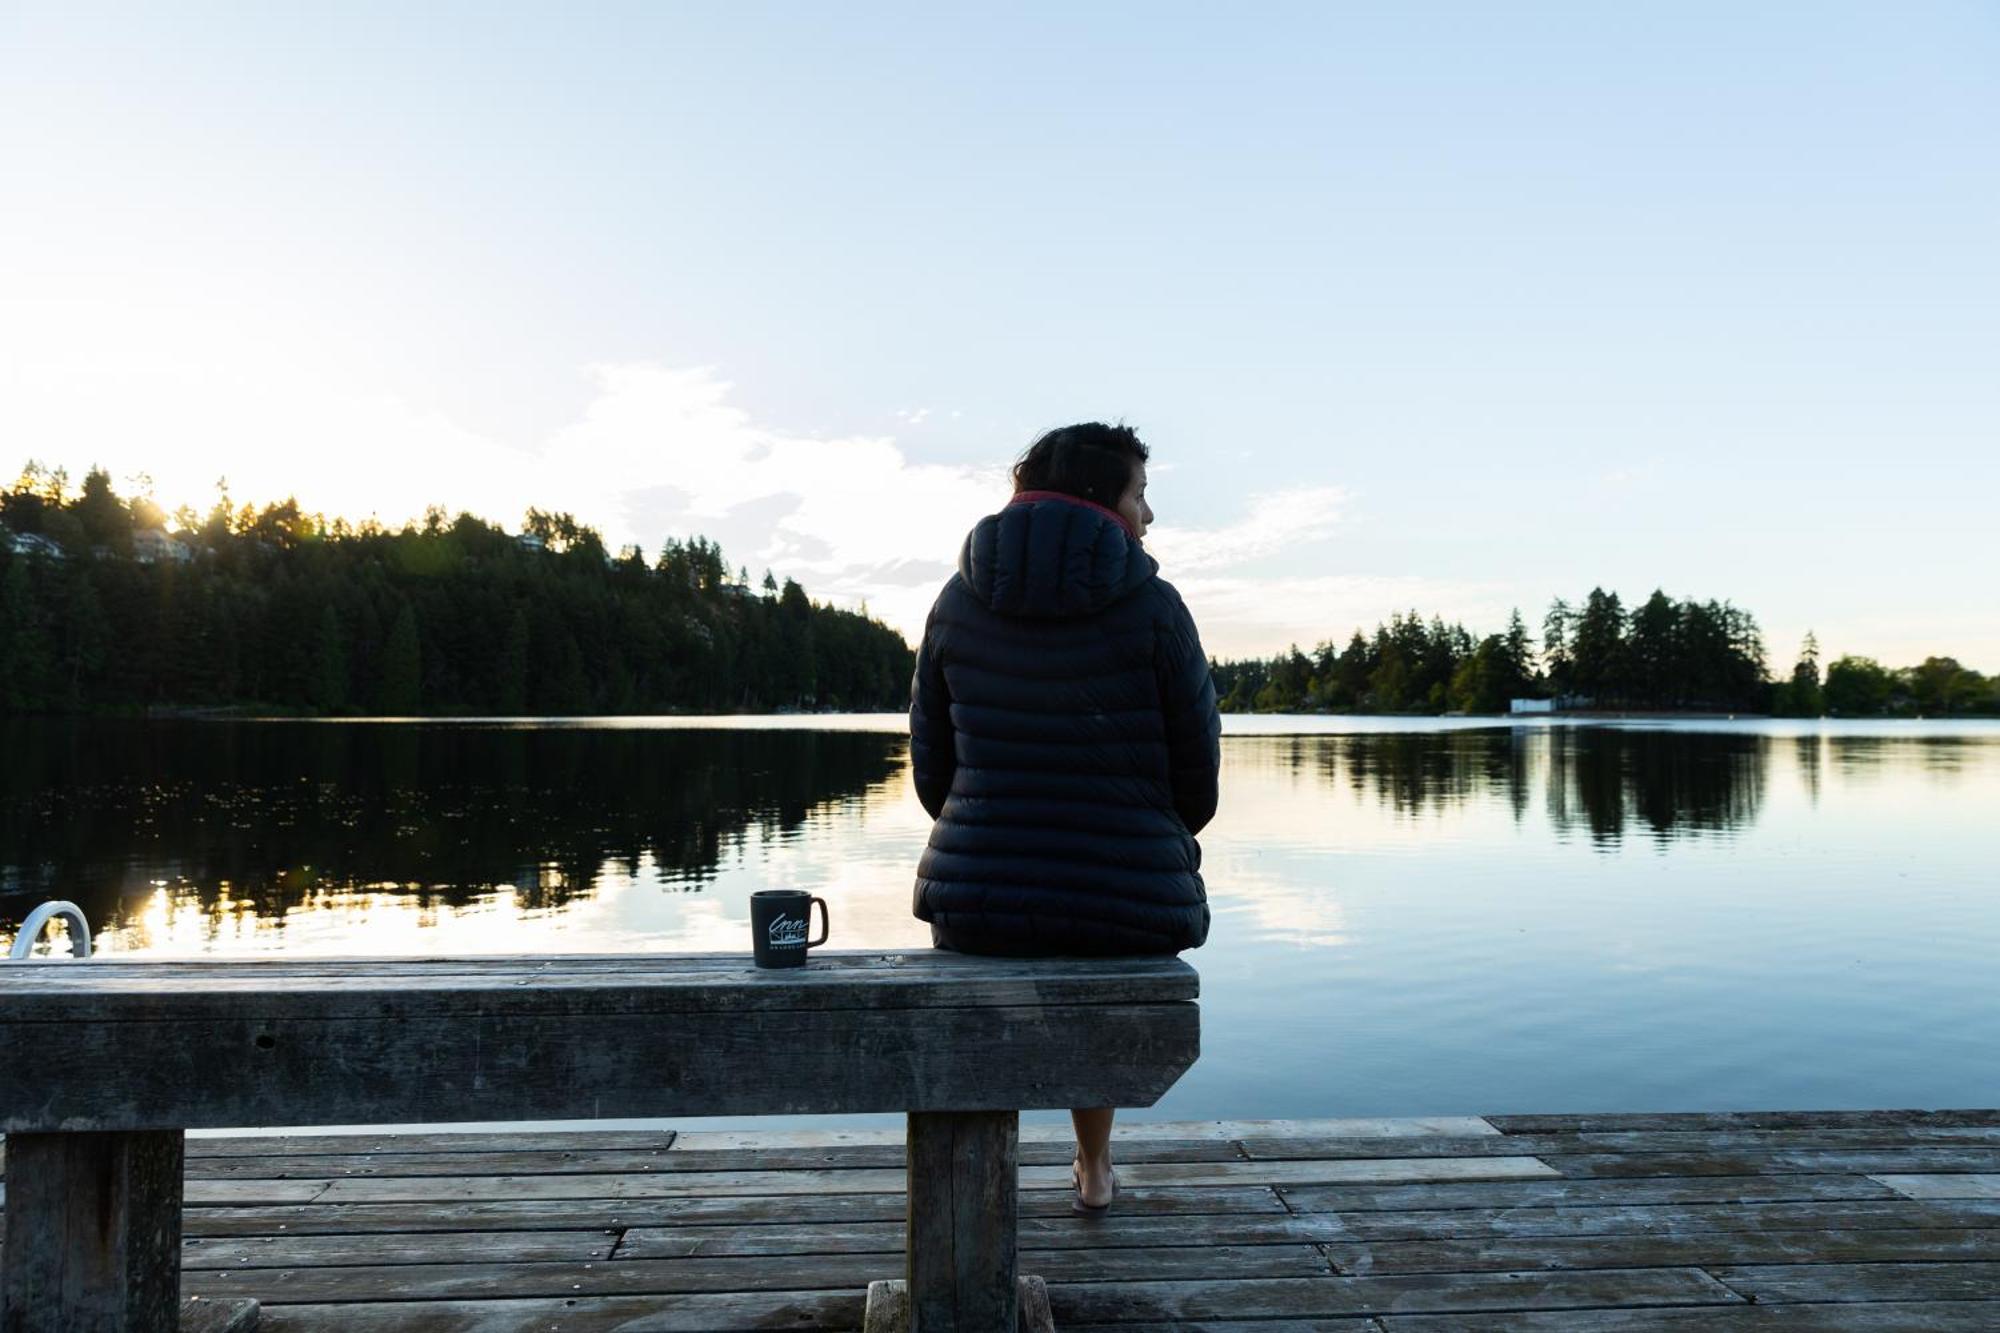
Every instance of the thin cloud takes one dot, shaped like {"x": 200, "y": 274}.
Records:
{"x": 1277, "y": 523}
{"x": 850, "y": 517}
{"x": 658, "y": 452}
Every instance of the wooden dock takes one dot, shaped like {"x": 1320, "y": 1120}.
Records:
{"x": 1870, "y": 1220}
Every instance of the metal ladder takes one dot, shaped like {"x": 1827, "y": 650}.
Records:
{"x": 31, "y": 930}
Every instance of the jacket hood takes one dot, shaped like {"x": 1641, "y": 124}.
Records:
{"x": 1051, "y": 557}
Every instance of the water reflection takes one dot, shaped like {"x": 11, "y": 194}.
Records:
{"x": 261, "y": 822}
{"x": 1411, "y": 919}
{"x": 269, "y": 819}
{"x": 1670, "y": 785}
{"x": 1604, "y": 783}
{"x": 1806, "y": 757}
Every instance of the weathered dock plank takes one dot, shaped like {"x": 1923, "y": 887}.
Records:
{"x": 808, "y": 1311}
{"x": 1236, "y": 1298}
{"x": 1658, "y": 1219}
{"x": 1866, "y": 1282}
{"x": 254, "y": 1058}
{"x": 1942, "y": 1186}
{"x": 1896, "y": 1317}
{"x": 1040, "y": 1233}
{"x": 202, "y": 1145}
{"x": 584, "y": 1161}
{"x": 657, "y": 1184}
{"x": 1900, "y": 1317}
{"x": 397, "y": 1247}
{"x": 1664, "y": 1250}
{"x": 1330, "y": 1324}
{"x": 1706, "y": 1121}
{"x": 1926, "y": 1158}
{"x": 458, "y": 1281}
{"x": 1680, "y": 1142}
{"x": 749, "y": 1210}
{"x": 1505, "y": 1194}
{"x": 1777, "y": 1223}
{"x": 688, "y": 985}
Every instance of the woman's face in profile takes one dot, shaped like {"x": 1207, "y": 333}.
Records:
{"x": 1132, "y": 506}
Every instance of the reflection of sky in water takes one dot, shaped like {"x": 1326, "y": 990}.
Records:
{"x": 848, "y": 852}
{"x": 1409, "y": 920}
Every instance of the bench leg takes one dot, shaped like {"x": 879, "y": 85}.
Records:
{"x": 964, "y": 1186}
{"x": 93, "y": 1233}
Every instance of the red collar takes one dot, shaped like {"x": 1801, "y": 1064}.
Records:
{"x": 1028, "y": 497}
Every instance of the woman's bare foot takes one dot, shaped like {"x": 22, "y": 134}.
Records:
{"x": 1094, "y": 1182}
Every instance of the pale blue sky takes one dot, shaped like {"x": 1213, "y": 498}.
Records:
{"x": 1459, "y": 306}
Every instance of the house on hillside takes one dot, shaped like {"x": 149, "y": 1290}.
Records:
{"x": 33, "y": 544}
{"x": 152, "y": 545}
{"x": 1562, "y": 703}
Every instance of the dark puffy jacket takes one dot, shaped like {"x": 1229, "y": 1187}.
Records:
{"x": 1064, "y": 735}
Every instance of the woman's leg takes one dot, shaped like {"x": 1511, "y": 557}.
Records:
{"x": 1093, "y": 1153}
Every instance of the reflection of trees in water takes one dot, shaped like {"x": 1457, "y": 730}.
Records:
{"x": 1866, "y": 758}
{"x": 1415, "y": 773}
{"x": 1806, "y": 756}
{"x": 1603, "y": 780}
{"x": 279, "y": 812}
{"x": 1669, "y": 783}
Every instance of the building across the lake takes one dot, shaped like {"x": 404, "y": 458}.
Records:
{"x": 152, "y": 545}
{"x": 33, "y": 543}
{"x": 1561, "y": 703}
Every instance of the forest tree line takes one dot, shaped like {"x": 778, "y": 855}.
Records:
{"x": 1664, "y": 655}
{"x": 108, "y": 604}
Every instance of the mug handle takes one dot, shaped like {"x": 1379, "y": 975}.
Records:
{"x": 825, "y": 922}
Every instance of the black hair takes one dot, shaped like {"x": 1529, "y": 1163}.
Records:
{"x": 1090, "y": 460}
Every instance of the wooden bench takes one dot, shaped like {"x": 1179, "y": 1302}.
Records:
{"x": 107, "y": 1063}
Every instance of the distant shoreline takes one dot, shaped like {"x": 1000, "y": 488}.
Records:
{"x": 265, "y": 713}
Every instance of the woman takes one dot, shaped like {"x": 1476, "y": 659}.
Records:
{"x": 1064, "y": 735}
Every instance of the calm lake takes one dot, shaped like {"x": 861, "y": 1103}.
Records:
{"x": 1412, "y": 917}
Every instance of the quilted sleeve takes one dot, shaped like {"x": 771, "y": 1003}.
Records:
{"x": 1194, "y": 724}
{"x": 933, "y": 750}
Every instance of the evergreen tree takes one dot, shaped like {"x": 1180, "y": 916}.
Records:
{"x": 1803, "y": 696}
{"x": 402, "y": 667}
{"x": 27, "y": 661}
{"x": 569, "y": 686}
{"x": 329, "y": 663}
{"x": 1517, "y": 657}
{"x": 248, "y": 619}
{"x": 1653, "y": 652}
{"x": 1708, "y": 655}
{"x": 1351, "y": 672}
{"x": 1556, "y": 629}
{"x": 21, "y": 506}
{"x": 800, "y": 668}
{"x": 1597, "y": 647}
{"x": 1479, "y": 684}
{"x": 103, "y": 516}
{"x": 512, "y": 697}
{"x": 87, "y": 639}
{"x": 1389, "y": 683}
